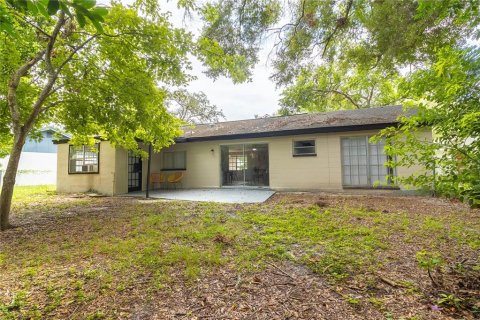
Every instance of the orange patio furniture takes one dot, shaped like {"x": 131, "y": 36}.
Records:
{"x": 157, "y": 178}
{"x": 175, "y": 179}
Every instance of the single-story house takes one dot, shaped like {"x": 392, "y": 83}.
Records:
{"x": 314, "y": 151}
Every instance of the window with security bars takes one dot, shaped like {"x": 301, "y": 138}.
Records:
{"x": 363, "y": 163}
{"x": 83, "y": 159}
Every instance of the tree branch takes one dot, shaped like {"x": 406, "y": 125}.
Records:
{"x": 54, "y": 104}
{"x": 343, "y": 94}
{"x": 370, "y": 96}
{"x": 52, "y": 75}
{"x": 74, "y": 51}
{"x": 296, "y": 24}
{"x": 13, "y": 85}
{"x": 340, "y": 23}
{"x": 23, "y": 19}
{"x": 51, "y": 43}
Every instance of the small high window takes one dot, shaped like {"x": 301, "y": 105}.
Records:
{"x": 304, "y": 148}
{"x": 83, "y": 159}
{"x": 176, "y": 160}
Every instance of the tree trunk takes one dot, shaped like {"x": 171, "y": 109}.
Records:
{"x": 9, "y": 181}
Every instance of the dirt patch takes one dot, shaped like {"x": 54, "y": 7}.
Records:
{"x": 280, "y": 292}
{"x": 70, "y": 259}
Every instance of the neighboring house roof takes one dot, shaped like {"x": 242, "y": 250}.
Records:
{"x": 47, "y": 129}
{"x": 335, "y": 121}
{"x": 55, "y": 130}
{"x": 45, "y": 143}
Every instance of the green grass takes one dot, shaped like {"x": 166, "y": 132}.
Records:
{"x": 29, "y": 193}
{"x": 328, "y": 241}
{"x": 90, "y": 257}
{"x": 28, "y": 196}
{"x": 42, "y": 198}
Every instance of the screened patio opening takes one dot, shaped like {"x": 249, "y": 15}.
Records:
{"x": 363, "y": 163}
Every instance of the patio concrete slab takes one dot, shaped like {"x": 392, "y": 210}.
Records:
{"x": 224, "y": 195}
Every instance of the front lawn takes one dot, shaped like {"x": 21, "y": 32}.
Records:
{"x": 310, "y": 256}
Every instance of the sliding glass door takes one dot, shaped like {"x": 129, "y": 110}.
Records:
{"x": 244, "y": 165}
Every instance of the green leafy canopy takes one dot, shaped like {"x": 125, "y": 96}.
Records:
{"x": 81, "y": 10}
{"x": 113, "y": 68}
{"x": 447, "y": 97}
{"x": 101, "y": 71}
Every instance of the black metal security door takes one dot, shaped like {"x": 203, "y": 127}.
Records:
{"x": 134, "y": 172}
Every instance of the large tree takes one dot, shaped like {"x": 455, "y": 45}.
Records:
{"x": 96, "y": 71}
{"x": 338, "y": 85}
{"x": 340, "y": 51}
{"x": 92, "y": 72}
{"x": 193, "y": 108}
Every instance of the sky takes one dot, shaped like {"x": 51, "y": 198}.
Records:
{"x": 237, "y": 101}
{"x": 240, "y": 101}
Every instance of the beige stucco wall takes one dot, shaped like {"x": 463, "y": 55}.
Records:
{"x": 102, "y": 182}
{"x": 121, "y": 171}
{"x": 203, "y": 165}
{"x": 322, "y": 172}
{"x": 112, "y": 177}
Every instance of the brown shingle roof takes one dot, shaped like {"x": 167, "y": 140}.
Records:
{"x": 344, "y": 120}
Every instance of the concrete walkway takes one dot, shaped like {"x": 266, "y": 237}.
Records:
{"x": 224, "y": 195}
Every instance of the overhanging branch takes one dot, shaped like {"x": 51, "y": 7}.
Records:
{"x": 74, "y": 51}
{"x": 23, "y": 19}
{"x": 51, "y": 44}
{"x": 341, "y": 93}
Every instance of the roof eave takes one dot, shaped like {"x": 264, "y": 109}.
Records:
{"x": 67, "y": 140}
{"x": 281, "y": 133}
{"x": 375, "y": 126}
